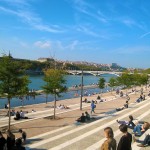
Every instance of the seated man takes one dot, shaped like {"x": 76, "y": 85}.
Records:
{"x": 121, "y": 94}
{"x": 22, "y": 115}
{"x": 144, "y": 143}
{"x": 6, "y": 106}
{"x": 126, "y": 105}
{"x": 13, "y": 113}
{"x": 121, "y": 108}
{"x": 139, "y": 129}
{"x": 66, "y": 107}
{"x": 17, "y": 116}
{"x": 33, "y": 110}
{"x": 87, "y": 116}
{"x": 85, "y": 100}
{"x": 98, "y": 97}
{"x": 81, "y": 119}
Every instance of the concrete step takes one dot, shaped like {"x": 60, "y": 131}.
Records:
{"x": 73, "y": 137}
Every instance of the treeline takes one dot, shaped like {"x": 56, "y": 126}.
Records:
{"x": 128, "y": 80}
{"x": 147, "y": 71}
{"x": 40, "y": 66}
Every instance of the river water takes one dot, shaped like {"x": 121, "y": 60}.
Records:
{"x": 37, "y": 82}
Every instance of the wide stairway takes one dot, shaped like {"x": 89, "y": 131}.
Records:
{"x": 89, "y": 136}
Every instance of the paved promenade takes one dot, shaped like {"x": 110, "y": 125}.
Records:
{"x": 62, "y": 134}
{"x": 88, "y": 136}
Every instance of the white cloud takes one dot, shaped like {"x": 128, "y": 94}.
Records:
{"x": 131, "y": 22}
{"x": 145, "y": 34}
{"x": 31, "y": 18}
{"x": 89, "y": 10}
{"x": 43, "y": 45}
{"x": 73, "y": 45}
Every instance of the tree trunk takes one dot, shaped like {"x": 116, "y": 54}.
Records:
{"x": 22, "y": 102}
{"x": 101, "y": 91}
{"x": 81, "y": 91}
{"x": 46, "y": 98}
{"x": 9, "y": 114}
{"x": 55, "y": 107}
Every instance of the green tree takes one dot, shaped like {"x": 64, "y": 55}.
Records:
{"x": 24, "y": 90}
{"x": 101, "y": 83}
{"x": 12, "y": 81}
{"x": 125, "y": 80}
{"x": 55, "y": 84}
{"x": 112, "y": 83}
{"x": 136, "y": 80}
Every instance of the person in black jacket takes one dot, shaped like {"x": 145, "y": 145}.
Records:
{"x": 10, "y": 140}
{"x": 126, "y": 139}
{"x": 2, "y": 141}
{"x": 23, "y": 136}
{"x": 18, "y": 145}
{"x": 82, "y": 118}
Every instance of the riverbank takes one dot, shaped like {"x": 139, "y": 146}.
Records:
{"x": 73, "y": 88}
{"x": 68, "y": 117}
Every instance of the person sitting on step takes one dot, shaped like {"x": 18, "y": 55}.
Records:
{"x": 140, "y": 128}
{"x": 129, "y": 123}
{"x": 87, "y": 116}
{"x": 17, "y": 116}
{"x": 121, "y": 108}
{"x": 144, "y": 143}
{"x": 81, "y": 119}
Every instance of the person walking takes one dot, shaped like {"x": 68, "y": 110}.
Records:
{"x": 92, "y": 106}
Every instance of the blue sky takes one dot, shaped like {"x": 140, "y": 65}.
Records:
{"x": 102, "y": 31}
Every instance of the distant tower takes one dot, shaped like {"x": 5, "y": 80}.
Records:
{"x": 9, "y": 55}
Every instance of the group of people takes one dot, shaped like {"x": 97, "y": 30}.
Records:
{"x": 20, "y": 115}
{"x": 84, "y": 117}
{"x": 124, "y": 142}
{"x": 126, "y": 139}
{"x": 138, "y": 128}
{"x": 10, "y": 143}
{"x": 62, "y": 107}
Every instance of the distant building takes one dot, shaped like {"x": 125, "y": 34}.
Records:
{"x": 45, "y": 59}
{"x": 114, "y": 65}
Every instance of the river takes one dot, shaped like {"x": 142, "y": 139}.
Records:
{"x": 37, "y": 82}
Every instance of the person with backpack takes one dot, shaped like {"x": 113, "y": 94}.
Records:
{"x": 93, "y": 106}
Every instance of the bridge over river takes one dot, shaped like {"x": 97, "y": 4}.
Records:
{"x": 95, "y": 73}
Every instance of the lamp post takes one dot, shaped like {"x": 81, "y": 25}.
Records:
{"x": 81, "y": 90}
{"x": 56, "y": 90}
